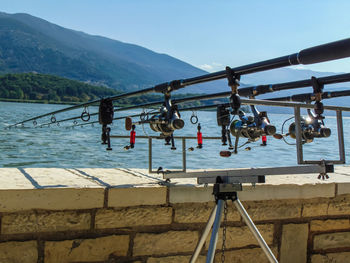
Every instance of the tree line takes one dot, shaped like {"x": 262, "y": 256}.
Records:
{"x": 35, "y": 87}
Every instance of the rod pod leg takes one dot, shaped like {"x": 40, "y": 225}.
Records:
{"x": 249, "y": 222}
{"x": 215, "y": 231}
{"x": 204, "y": 236}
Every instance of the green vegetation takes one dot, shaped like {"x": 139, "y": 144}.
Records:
{"x": 41, "y": 88}
{"x": 48, "y": 89}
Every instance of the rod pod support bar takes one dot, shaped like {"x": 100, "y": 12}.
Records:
{"x": 233, "y": 82}
{"x": 105, "y": 117}
{"x": 318, "y": 91}
{"x": 233, "y": 79}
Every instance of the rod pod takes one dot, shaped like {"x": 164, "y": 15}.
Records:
{"x": 223, "y": 192}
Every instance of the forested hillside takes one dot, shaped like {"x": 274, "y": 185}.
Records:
{"x": 34, "y": 87}
{"x": 31, "y": 44}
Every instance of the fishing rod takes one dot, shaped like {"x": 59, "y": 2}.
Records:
{"x": 145, "y": 114}
{"x": 85, "y": 118}
{"x": 251, "y": 91}
{"x": 308, "y": 97}
{"x": 326, "y": 52}
{"x": 305, "y": 97}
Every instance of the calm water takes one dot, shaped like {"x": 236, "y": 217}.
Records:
{"x": 80, "y": 147}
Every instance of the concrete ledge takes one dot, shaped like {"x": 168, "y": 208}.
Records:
{"x": 67, "y": 189}
{"x": 51, "y": 199}
{"x": 125, "y": 197}
{"x": 128, "y": 215}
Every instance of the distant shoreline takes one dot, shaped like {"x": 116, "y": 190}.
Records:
{"x": 40, "y": 101}
{"x": 53, "y": 102}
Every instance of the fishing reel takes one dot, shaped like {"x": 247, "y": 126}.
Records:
{"x": 311, "y": 127}
{"x": 252, "y": 127}
{"x": 165, "y": 122}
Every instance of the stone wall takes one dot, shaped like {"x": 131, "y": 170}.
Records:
{"x": 150, "y": 222}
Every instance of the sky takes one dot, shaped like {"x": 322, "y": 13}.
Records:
{"x": 209, "y": 34}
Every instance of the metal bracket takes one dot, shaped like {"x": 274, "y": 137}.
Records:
{"x": 299, "y": 143}
{"x": 248, "y": 175}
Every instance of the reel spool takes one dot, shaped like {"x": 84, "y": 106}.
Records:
{"x": 159, "y": 123}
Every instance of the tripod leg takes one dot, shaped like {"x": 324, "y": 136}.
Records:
{"x": 204, "y": 236}
{"x": 215, "y": 232}
{"x": 255, "y": 231}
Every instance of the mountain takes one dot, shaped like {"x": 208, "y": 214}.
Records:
{"x": 31, "y": 44}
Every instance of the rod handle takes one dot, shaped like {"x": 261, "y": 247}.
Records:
{"x": 326, "y": 52}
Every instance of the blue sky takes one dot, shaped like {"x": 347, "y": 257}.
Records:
{"x": 206, "y": 34}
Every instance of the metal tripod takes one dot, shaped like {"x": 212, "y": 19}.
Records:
{"x": 222, "y": 193}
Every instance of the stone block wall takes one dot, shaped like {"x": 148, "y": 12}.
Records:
{"x": 310, "y": 230}
{"x": 164, "y": 223}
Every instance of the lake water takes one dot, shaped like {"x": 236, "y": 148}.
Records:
{"x": 80, "y": 147}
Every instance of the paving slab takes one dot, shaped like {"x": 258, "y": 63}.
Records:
{"x": 118, "y": 177}
{"x": 12, "y": 178}
{"x": 57, "y": 178}
{"x": 132, "y": 187}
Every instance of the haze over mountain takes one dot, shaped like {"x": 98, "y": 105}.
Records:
{"x": 31, "y": 44}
